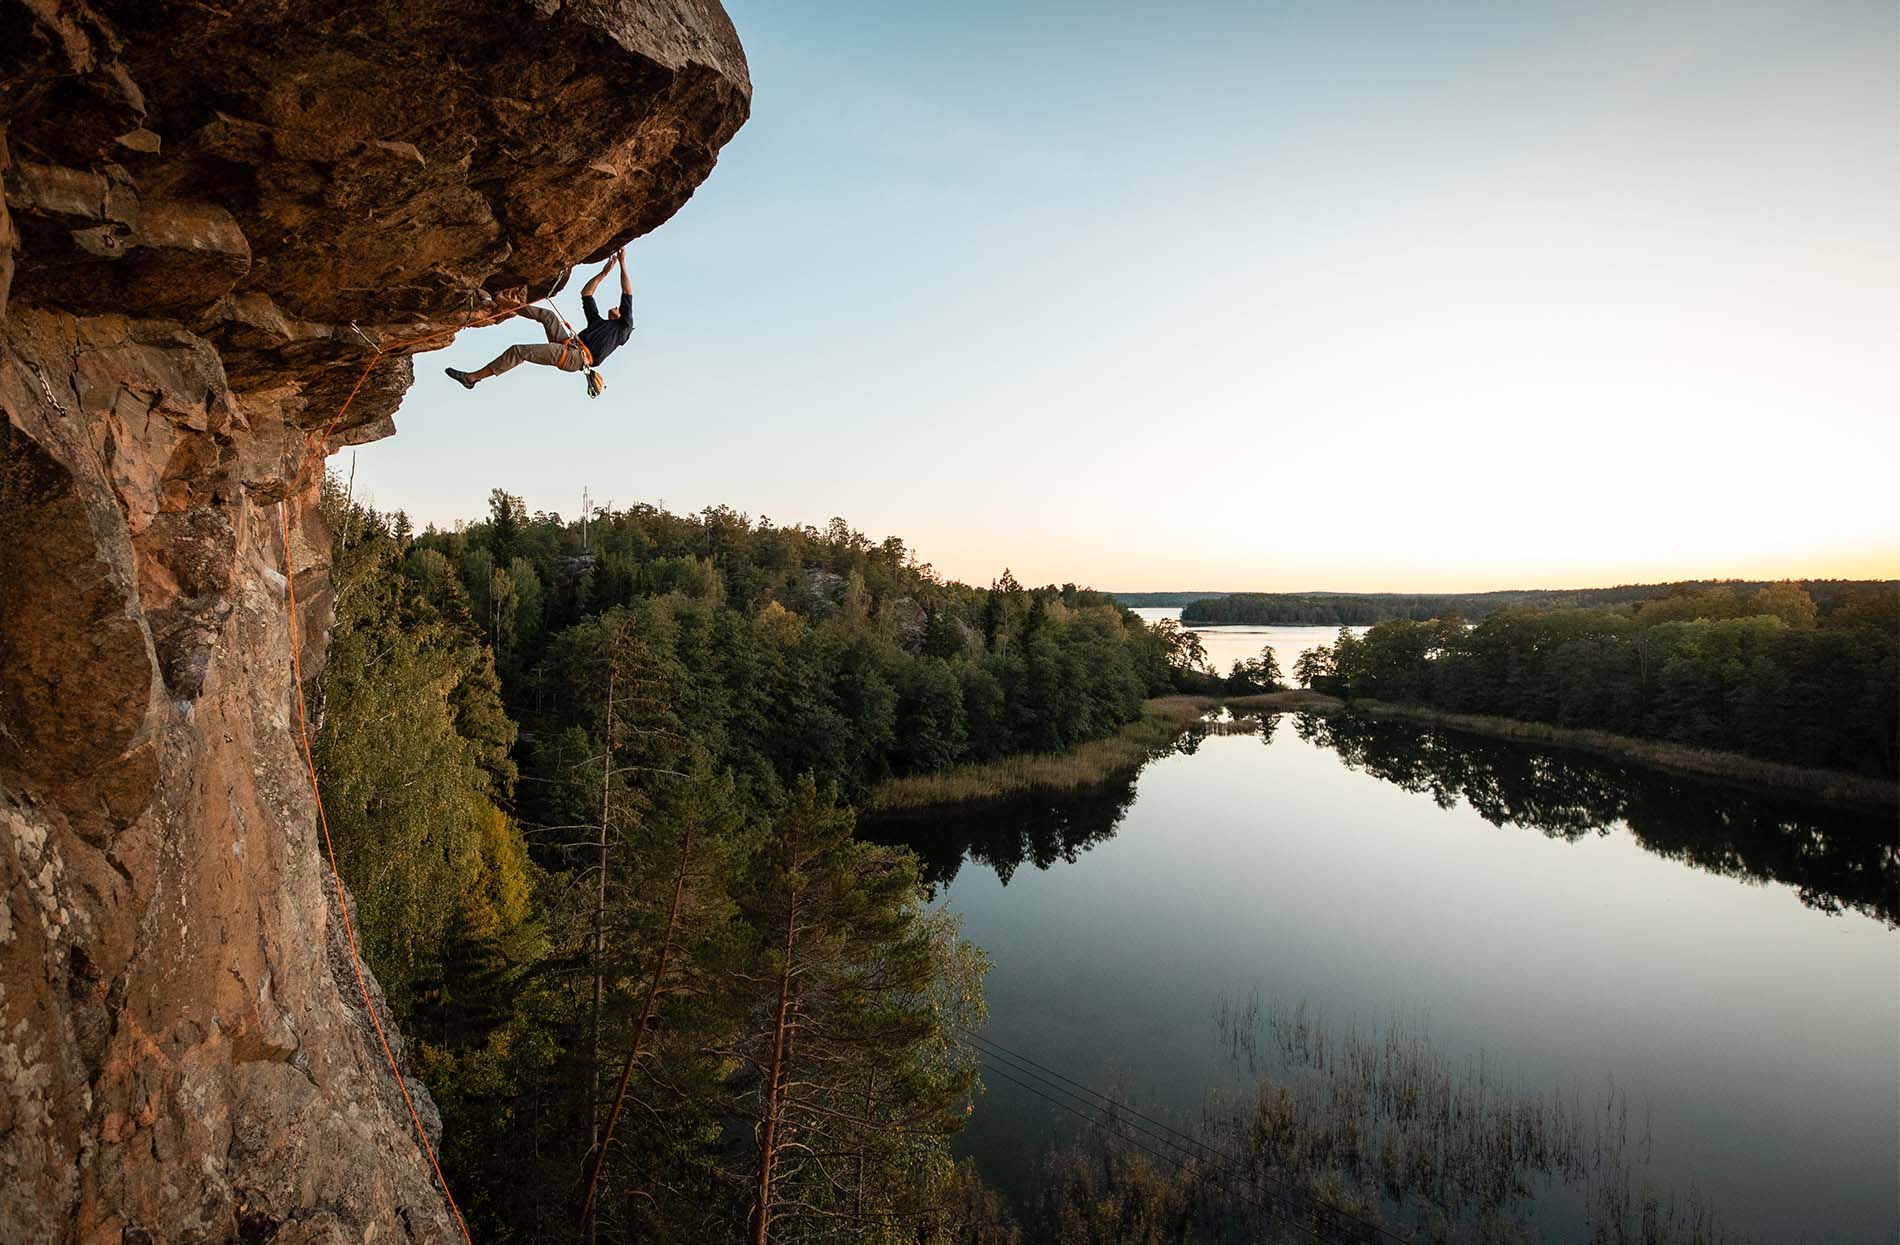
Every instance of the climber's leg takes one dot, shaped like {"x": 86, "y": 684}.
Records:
{"x": 549, "y": 322}
{"x": 551, "y": 354}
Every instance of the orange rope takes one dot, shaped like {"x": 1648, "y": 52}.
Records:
{"x": 342, "y": 903}
{"x": 472, "y": 322}
{"x": 303, "y": 732}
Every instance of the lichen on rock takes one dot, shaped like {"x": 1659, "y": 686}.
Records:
{"x": 206, "y": 209}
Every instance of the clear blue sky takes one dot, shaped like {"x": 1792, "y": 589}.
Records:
{"x": 1271, "y": 296}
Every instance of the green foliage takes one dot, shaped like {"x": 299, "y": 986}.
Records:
{"x": 1313, "y": 666}
{"x": 797, "y": 650}
{"x": 412, "y": 752}
{"x": 1255, "y": 674}
{"x": 698, "y": 694}
{"x": 935, "y": 731}
{"x": 854, "y": 1079}
{"x": 693, "y": 694}
{"x": 1181, "y": 649}
{"x": 1765, "y": 673}
{"x": 1681, "y": 600}
{"x": 675, "y": 944}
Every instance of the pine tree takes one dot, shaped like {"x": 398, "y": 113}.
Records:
{"x": 857, "y": 1081}
{"x": 675, "y": 916}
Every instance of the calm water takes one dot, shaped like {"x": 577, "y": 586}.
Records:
{"x": 1728, "y": 959}
{"x": 1227, "y": 644}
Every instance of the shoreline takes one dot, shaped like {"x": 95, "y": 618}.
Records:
{"x": 1164, "y": 717}
{"x": 1089, "y": 764}
{"x": 1824, "y": 785}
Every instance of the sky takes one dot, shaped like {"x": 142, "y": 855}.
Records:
{"x": 1256, "y": 296}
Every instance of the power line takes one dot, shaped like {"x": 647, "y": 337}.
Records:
{"x": 1111, "y": 1105}
{"x": 1104, "y": 1101}
{"x": 1176, "y": 1164}
{"x": 1224, "y": 1170}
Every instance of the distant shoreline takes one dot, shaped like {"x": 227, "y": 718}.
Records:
{"x": 1825, "y": 785}
{"x": 1360, "y": 609}
{"x": 1163, "y": 718}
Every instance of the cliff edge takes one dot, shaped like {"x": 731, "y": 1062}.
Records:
{"x": 199, "y": 201}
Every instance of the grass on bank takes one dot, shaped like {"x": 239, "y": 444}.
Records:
{"x": 1295, "y": 699}
{"x": 1162, "y": 721}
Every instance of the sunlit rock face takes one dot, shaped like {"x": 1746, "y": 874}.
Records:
{"x": 200, "y": 201}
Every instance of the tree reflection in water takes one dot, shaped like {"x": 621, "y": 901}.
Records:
{"x": 1004, "y": 834}
{"x": 1836, "y": 860}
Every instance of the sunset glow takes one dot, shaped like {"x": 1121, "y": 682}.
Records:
{"x": 1442, "y": 299}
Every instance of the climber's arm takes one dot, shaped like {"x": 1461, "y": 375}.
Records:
{"x": 626, "y": 295}
{"x": 587, "y": 293}
{"x": 587, "y": 290}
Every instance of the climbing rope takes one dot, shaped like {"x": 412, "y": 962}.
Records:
{"x": 594, "y": 383}
{"x": 342, "y": 903}
{"x": 303, "y": 728}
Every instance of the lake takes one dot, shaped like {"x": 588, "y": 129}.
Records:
{"x": 1726, "y": 961}
{"x": 1240, "y": 642}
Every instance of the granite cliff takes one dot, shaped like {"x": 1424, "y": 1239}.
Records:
{"x": 200, "y": 200}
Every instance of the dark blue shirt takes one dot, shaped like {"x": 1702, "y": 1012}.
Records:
{"x": 603, "y": 336}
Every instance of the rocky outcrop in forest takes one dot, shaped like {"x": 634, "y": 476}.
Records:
{"x": 208, "y": 209}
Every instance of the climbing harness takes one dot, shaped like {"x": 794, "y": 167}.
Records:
{"x": 595, "y": 385}
{"x": 575, "y": 343}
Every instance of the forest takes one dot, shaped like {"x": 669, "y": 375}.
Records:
{"x": 1778, "y": 672}
{"x": 591, "y": 785}
{"x": 1356, "y": 609}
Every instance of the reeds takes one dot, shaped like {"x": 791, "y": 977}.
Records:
{"x": 1161, "y": 723}
{"x": 1296, "y": 699}
{"x": 1370, "y": 1135}
{"x": 1445, "y": 1151}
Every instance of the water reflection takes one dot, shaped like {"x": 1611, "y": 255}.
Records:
{"x": 1005, "y": 834}
{"x": 1835, "y": 860}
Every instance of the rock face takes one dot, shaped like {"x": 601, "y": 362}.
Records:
{"x": 199, "y": 200}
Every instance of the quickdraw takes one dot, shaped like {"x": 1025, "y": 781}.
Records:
{"x": 595, "y": 385}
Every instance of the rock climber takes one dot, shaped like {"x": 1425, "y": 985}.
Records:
{"x": 582, "y": 351}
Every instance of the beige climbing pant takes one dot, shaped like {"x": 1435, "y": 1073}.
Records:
{"x": 559, "y": 350}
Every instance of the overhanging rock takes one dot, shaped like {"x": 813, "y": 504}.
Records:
{"x": 199, "y": 201}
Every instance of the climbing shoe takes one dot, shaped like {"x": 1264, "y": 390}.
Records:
{"x": 460, "y": 377}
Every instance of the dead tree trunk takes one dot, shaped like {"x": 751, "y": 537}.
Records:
{"x": 775, "y": 1080}
{"x": 590, "y": 1200}
{"x": 600, "y": 938}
